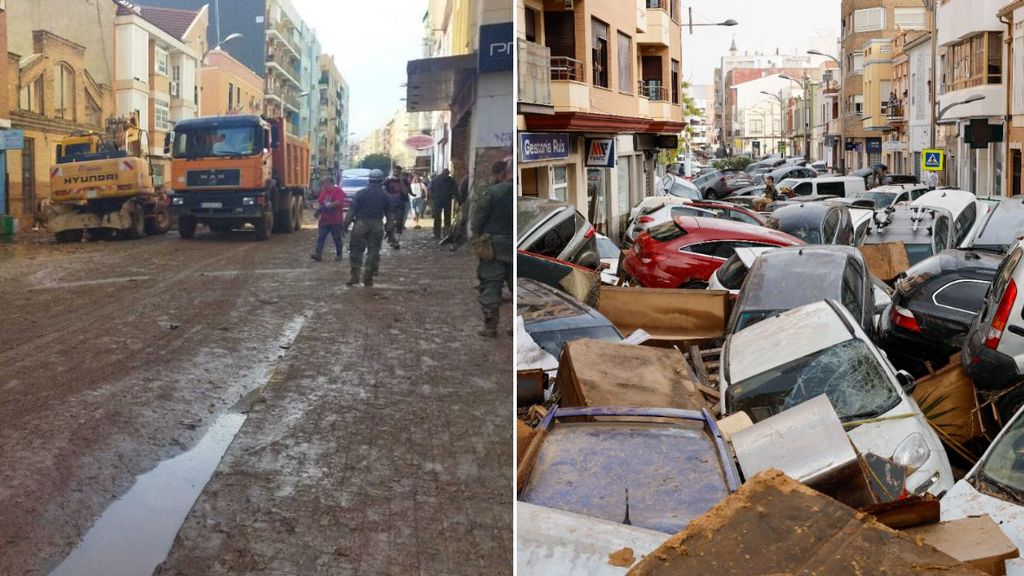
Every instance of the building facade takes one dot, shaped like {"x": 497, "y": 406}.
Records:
{"x": 1012, "y": 14}
{"x": 613, "y": 72}
{"x": 332, "y": 128}
{"x": 228, "y": 86}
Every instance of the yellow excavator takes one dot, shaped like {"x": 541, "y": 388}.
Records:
{"x": 103, "y": 184}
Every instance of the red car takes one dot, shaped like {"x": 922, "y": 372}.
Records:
{"x": 685, "y": 252}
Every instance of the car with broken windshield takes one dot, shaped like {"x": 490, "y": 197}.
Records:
{"x": 818, "y": 349}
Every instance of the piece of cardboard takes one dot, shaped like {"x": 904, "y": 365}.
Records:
{"x": 976, "y": 540}
{"x": 949, "y": 401}
{"x": 601, "y": 373}
{"x": 733, "y": 423}
{"x": 775, "y": 525}
{"x": 673, "y": 317}
{"x": 887, "y": 260}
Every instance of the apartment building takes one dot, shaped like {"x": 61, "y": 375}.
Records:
{"x": 1012, "y": 15}
{"x": 156, "y": 76}
{"x": 758, "y": 119}
{"x": 332, "y": 127}
{"x": 868, "y": 27}
{"x": 228, "y": 86}
{"x": 613, "y": 71}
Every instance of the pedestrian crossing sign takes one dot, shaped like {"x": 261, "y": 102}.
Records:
{"x": 934, "y": 160}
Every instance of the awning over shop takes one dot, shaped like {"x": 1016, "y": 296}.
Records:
{"x": 434, "y": 82}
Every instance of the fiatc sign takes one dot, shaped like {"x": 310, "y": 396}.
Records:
{"x": 600, "y": 152}
{"x": 933, "y": 160}
{"x": 535, "y": 146}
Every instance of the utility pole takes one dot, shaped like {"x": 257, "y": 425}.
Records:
{"x": 932, "y": 5}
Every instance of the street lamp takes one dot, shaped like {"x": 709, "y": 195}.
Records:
{"x": 782, "y": 112}
{"x": 808, "y": 104}
{"x": 729, "y": 22}
{"x": 231, "y": 36}
{"x": 842, "y": 109}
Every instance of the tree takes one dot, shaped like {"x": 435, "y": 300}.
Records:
{"x": 381, "y": 162}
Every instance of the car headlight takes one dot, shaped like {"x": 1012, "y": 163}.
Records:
{"x": 912, "y": 453}
{"x": 178, "y": 200}
{"x": 248, "y": 201}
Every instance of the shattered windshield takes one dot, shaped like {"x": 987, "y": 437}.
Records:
{"x": 847, "y": 373}
{"x": 1003, "y": 468}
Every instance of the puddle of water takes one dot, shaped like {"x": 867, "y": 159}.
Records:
{"x": 136, "y": 532}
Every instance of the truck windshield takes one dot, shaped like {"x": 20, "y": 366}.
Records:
{"x": 216, "y": 141}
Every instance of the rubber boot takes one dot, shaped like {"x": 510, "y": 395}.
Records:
{"x": 490, "y": 329}
{"x": 354, "y": 278}
{"x": 367, "y": 279}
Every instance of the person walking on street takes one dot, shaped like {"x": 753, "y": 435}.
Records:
{"x": 419, "y": 196}
{"x": 331, "y": 212}
{"x": 442, "y": 189}
{"x": 366, "y": 214}
{"x": 491, "y": 225}
{"x": 398, "y": 192}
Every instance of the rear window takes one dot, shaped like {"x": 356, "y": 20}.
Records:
{"x": 964, "y": 295}
{"x": 732, "y": 273}
{"x": 666, "y": 231}
{"x": 830, "y": 226}
{"x": 964, "y": 222}
{"x": 554, "y": 242}
{"x": 553, "y": 341}
{"x": 1005, "y": 273}
{"x": 681, "y": 191}
{"x": 1001, "y": 229}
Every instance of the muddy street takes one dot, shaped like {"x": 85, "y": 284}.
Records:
{"x": 318, "y": 429}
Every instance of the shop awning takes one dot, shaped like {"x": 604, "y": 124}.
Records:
{"x": 434, "y": 82}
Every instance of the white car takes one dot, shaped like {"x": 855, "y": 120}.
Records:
{"x": 825, "y": 351}
{"x": 730, "y": 276}
{"x": 656, "y": 210}
{"x": 893, "y": 194}
{"x": 995, "y": 486}
{"x": 610, "y": 254}
{"x": 968, "y": 212}
{"x": 672, "y": 185}
{"x": 861, "y": 218}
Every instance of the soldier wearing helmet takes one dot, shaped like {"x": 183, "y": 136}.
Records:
{"x": 366, "y": 216}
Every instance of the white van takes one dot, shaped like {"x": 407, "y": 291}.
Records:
{"x": 841, "y": 186}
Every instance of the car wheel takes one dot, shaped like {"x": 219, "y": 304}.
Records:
{"x": 1009, "y": 403}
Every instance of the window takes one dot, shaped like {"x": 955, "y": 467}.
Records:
{"x": 559, "y": 183}
{"x": 162, "y": 111}
{"x": 1018, "y": 72}
{"x": 964, "y": 295}
{"x": 160, "y": 55}
{"x": 721, "y": 250}
{"x": 857, "y": 62}
{"x": 64, "y": 92}
{"x": 231, "y": 96}
{"x": 176, "y": 82}
{"x": 940, "y": 235}
{"x": 599, "y": 52}
{"x": 911, "y": 18}
{"x": 858, "y": 104}
{"x": 531, "y": 28}
{"x": 555, "y": 241}
{"x": 868, "y": 19}
{"x": 757, "y": 126}
{"x": 158, "y": 175}
{"x": 832, "y": 189}
{"x": 625, "y": 64}
{"x": 963, "y": 223}
{"x": 974, "y": 61}
{"x": 829, "y": 227}
{"x": 675, "y": 82}
{"x": 625, "y": 178}
{"x": 31, "y": 97}
{"x": 853, "y": 288}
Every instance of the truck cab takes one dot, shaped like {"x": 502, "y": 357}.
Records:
{"x": 229, "y": 171}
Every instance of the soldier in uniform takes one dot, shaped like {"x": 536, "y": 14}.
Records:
{"x": 367, "y": 211}
{"x": 491, "y": 223}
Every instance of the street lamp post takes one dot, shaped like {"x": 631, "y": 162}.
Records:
{"x": 842, "y": 109}
{"x": 728, "y": 22}
{"x": 782, "y": 113}
{"x": 804, "y": 86}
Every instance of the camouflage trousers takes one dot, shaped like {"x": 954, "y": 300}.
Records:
{"x": 492, "y": 275}
{"x": 367, "y": 236}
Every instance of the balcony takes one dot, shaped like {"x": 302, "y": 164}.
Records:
{"x": 569, "y": 92}
{"x": 655, "y": 98}
{"x": 281, "y": 33}
{"x": 535, "y": 74}
{"x": 894, "y": 112}
{"x": 282, "y": 63}
{"x": 659, "y": 25}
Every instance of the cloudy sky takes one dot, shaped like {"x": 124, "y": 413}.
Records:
{"x": 370, "y": 56}
{"x": 763, "y": 24}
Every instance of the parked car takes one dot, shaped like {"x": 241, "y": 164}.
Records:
{"x": 792, "y": 171}
{"x": 923, "y": 231}
{"x": 552, "y": 317}
{"x": 994, "y": 347}
{"x": 934, "y": 304}
{"x": 787, "y": 278}
{"x": 556, "y": 230}
{"x": 353, "y": 180}
{"x": 841, "y": 186}
{"x": 674, "y": 463}
{"x": 966, "y": 209}
{"x": 1001, "y": 227}
{"x": 651, "y": 211}
{"x": 995, "y": 486}
{"x": 672, "y": 185}
{"x": 733, "y": 272}
{"x": 685, "y": 252}
{"x": 818, "y": 349}
{"x": 697, "y": 209}
{"x": 901, "y": 179}
{"x": 820, "y": 167}
{"x": 861, "y": 218}
{"x": 610, "y": 254}
{"x": 816, "y": 222}
{"x": 725, "y": 182}
{"x": 893, "y": 194}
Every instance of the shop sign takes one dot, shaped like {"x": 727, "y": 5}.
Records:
{"x": 535, "y": 146}
{"x": 600, "y": 152}
{"x": 496, "y": 48}
{"x": 12, "y": 139}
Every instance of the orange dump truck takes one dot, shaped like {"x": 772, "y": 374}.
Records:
{"x": 230, "y": 171}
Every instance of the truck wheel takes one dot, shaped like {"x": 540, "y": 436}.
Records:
{"x": 159, "y": 222}
{"x": 68, "y": 236}
{"x": 137, "y": 229}
{"x": 186, "y": 227}
{"x": 283, "y": 218}
{"x": 264, "y": 226}
{"x": 1010, "y": 403}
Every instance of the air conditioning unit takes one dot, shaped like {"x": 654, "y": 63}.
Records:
{"x": 175, "y": 90}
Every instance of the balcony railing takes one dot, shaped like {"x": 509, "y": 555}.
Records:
{"x": 655, "y": 4}
{"x": 563, "y": 68}
{"x": 893, "y": 111}
{"x": 534, "y": 73}
{"x": 653, "y": 90}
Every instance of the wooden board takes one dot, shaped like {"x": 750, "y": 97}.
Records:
{"x": 887, "y": 260}
{"x": 524, "y": 435}
{"x": 976, "y": 540}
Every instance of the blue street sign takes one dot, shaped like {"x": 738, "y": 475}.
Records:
{"x": 934, "y": 160}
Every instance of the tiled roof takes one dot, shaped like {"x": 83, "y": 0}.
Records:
{"x": 174, "y": 21}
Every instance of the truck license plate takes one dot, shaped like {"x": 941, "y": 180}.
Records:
{"x": 212, "y": 205}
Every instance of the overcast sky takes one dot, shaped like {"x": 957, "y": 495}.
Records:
{"x": 763, "y": 25}
{"x": 372, "y": 58}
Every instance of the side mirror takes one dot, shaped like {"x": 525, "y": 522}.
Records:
{"x": 168, "y": 138}
{"x": 906, "y": 381}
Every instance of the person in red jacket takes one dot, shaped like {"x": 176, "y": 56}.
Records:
{"x": 331, "y": 212}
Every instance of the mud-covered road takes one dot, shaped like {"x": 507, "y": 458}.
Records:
{"x": 376, "y": 422}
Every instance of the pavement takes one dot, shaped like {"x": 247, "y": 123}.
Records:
{"x": 376, "y": 421}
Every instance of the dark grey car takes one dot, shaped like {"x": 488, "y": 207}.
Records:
{"x": 556, "y": 230}
{"x": 787, "y": 278}
{"x": 553, "y": 318}
{"x": 816, "y": 222}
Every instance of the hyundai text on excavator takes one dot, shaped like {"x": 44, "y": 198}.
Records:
{"x": 103, "y": 184}
{"x": 229, "y": 171}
